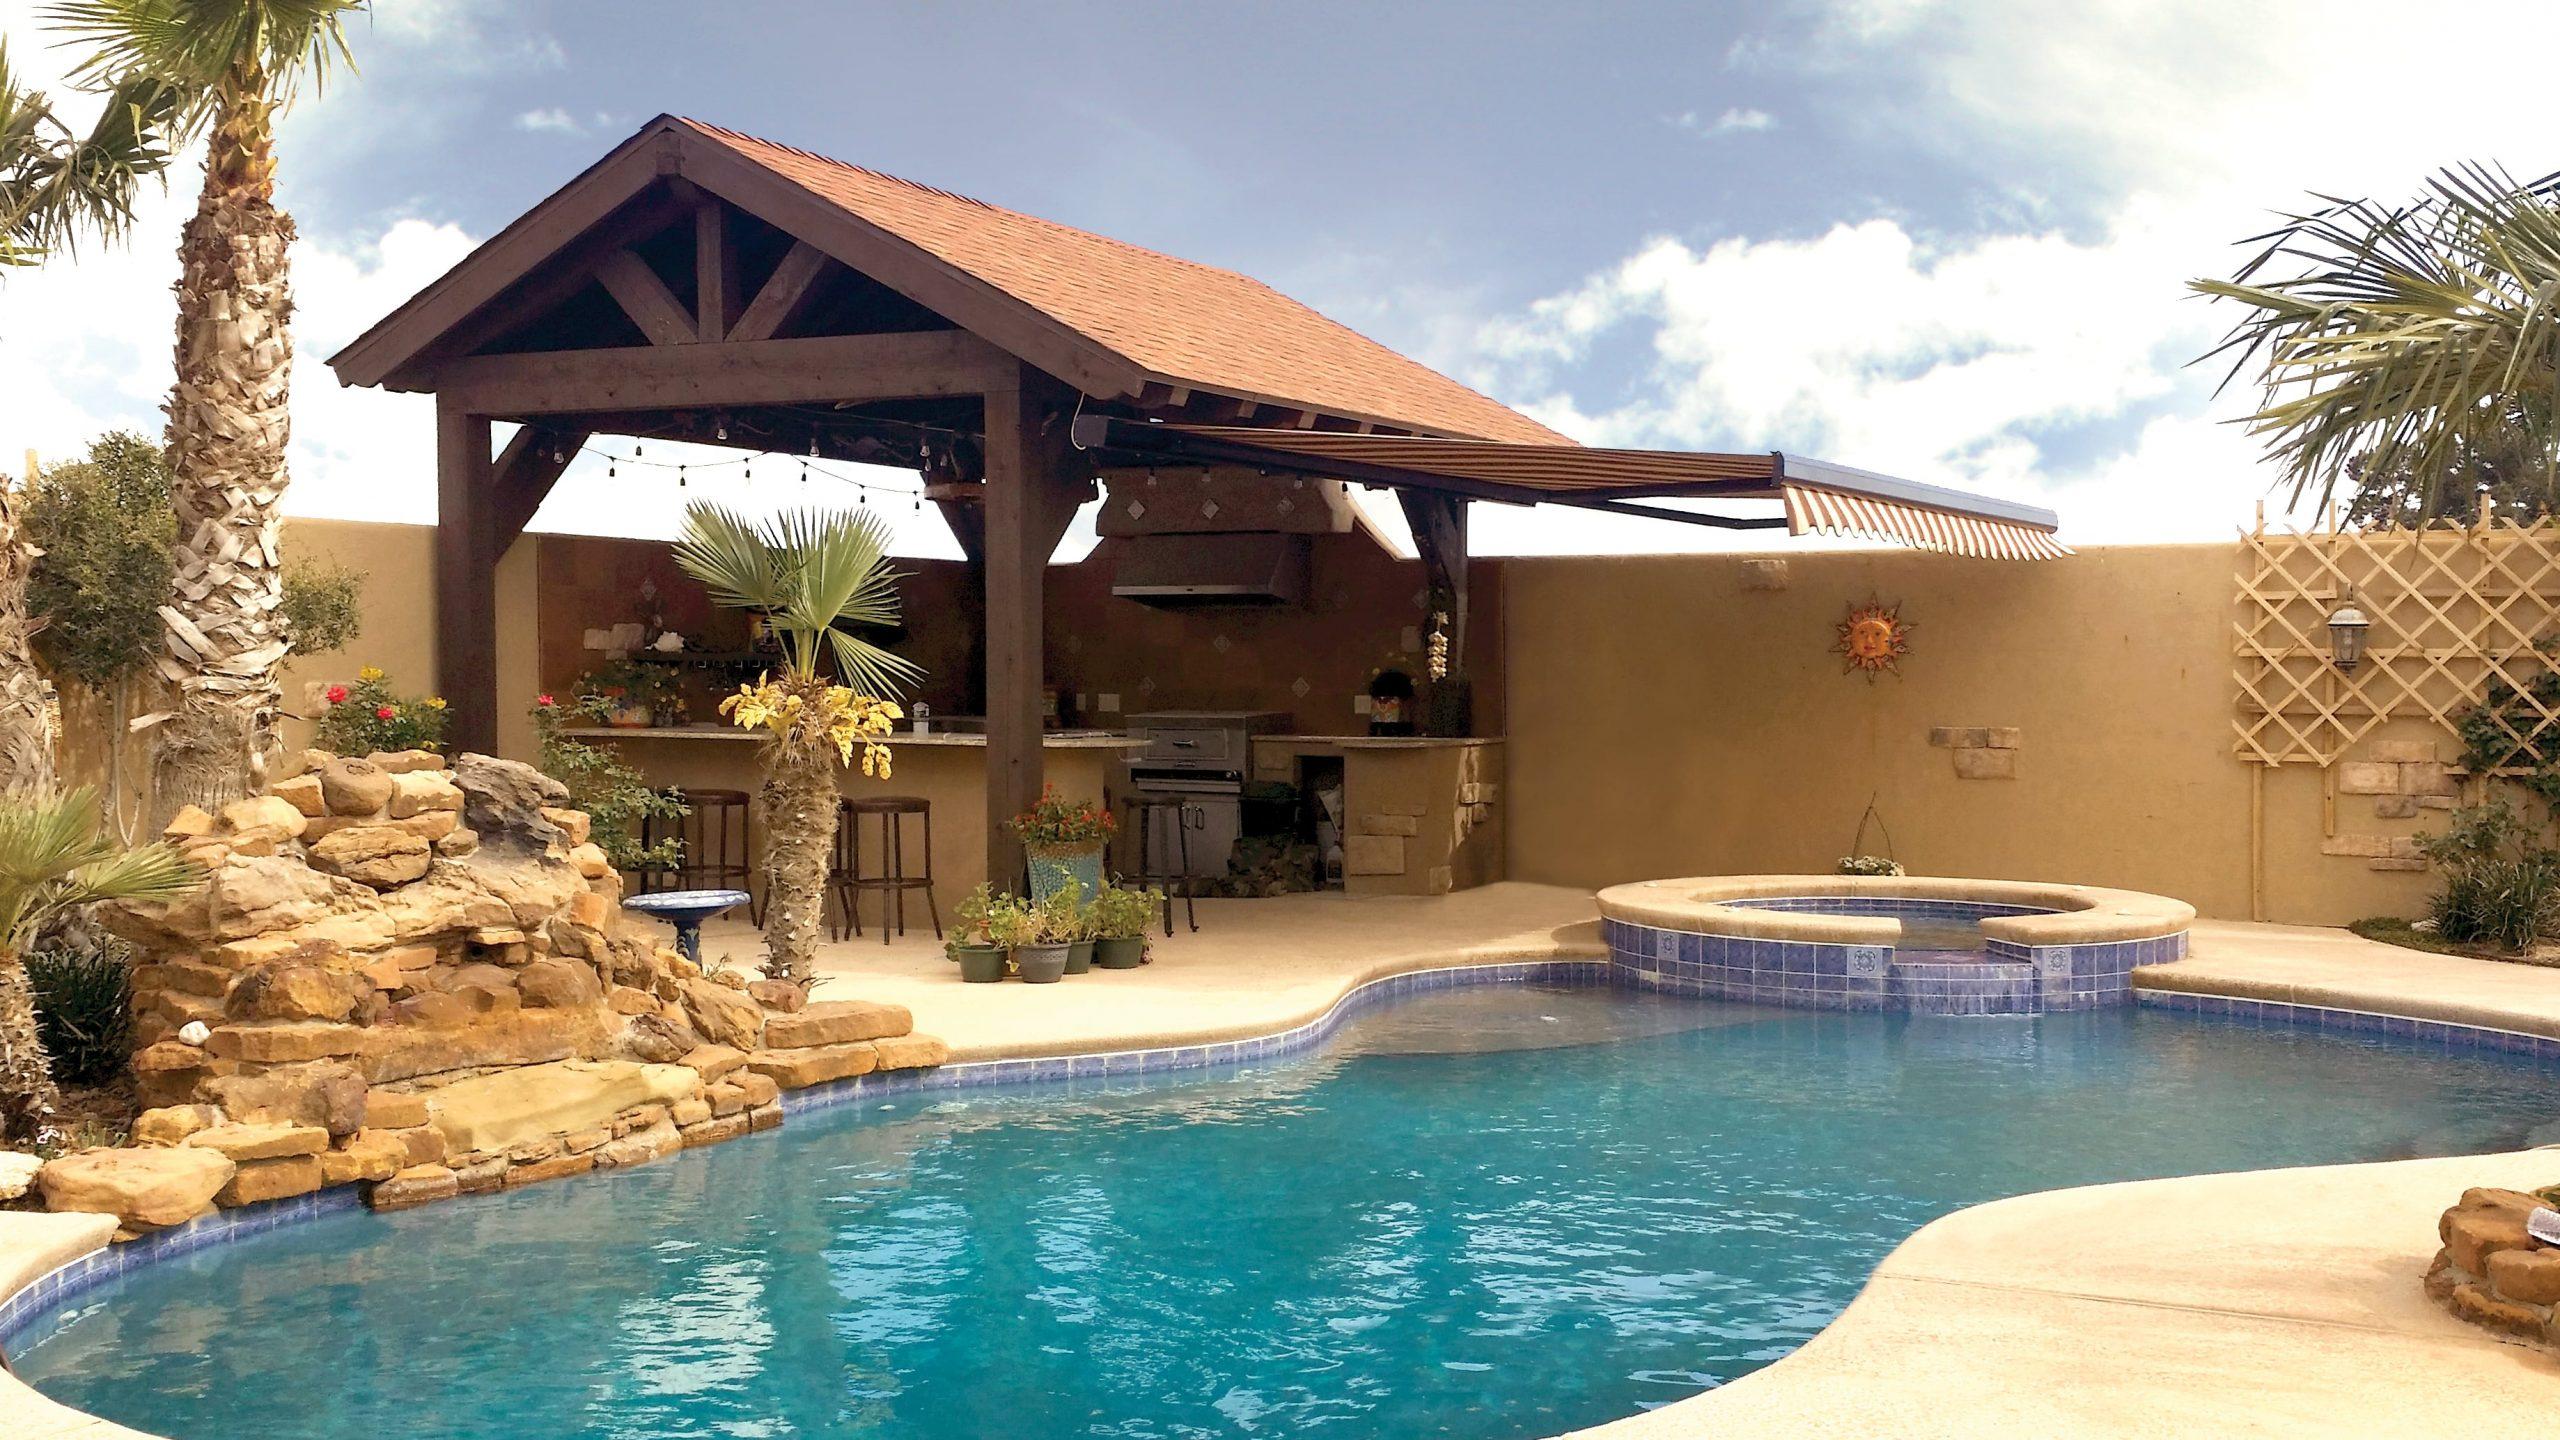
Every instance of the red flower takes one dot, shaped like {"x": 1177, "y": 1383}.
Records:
{"x": 542, "y": 700}
{"x": 386, "y": 713}
{"x": 336, "y": 694}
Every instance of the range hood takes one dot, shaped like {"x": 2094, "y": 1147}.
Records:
{"x": 1225, "y": 568}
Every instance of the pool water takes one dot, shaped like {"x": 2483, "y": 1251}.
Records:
{"x": 1490, "y": 1213}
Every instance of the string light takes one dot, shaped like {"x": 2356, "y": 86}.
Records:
{"x": 679, "y": 477}
{"x": 684, "y": 473}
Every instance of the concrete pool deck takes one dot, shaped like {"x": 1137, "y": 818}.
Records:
{"x": 2282, "y": 1302}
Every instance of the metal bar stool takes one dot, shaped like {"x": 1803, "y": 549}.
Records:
{"x": 718, "y": 833}
{"x": 845, "y": 877}
{"x": 1146, "y": 812}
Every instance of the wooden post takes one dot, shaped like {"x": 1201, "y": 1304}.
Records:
{"x": 1031, "y": 495}
{"x": 466, "y": 580}
{"x": 1439, "y": 524}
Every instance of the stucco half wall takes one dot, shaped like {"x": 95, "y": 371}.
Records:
{"x": 1686, "y": 715}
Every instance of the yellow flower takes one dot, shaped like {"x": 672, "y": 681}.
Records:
{"x": 370, "y": 674}
{"x": 435, "y": 702}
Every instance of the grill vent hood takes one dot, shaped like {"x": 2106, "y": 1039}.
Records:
{"x": 1229, "y": 568}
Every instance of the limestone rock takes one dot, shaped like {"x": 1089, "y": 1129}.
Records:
{"x": 2473, "y": 1233}
{"x": 425, "y": 1144}
{"x": 511, "y": 1037}
{"x": 170, "y": 1124}
{"x": 591, "y": 860}
{"x": 559, "y": 984}
{"x": 911, "y": 1052}
{"x": 248, "y": 895}
{"x": 714, "y": 1130}
{"x": 759, "y": 1089}
{"x": 798, "y": 1069}
{"x": 143, "y": 1189}
{"x": 659, "y": 1040}
{"x": 405, "y": 762}
{"x": 296, "y": 991}
{"x": 458, "y": 843}
{"x": 503, "y": 801}
{"x": 724, "y": 1016}
{"x": 245, "y": 1142}
{"x": 416, "y": 1185}
{"x": 626, "y": 1001}
{"x": 265, "y": 812}
{"x": 493, "y": 1112}
{"x": 556, "y": 1168}
{"x": 688, "y": 1113}
{"x": 271, "y": 1180}
{"x": 328, "y": 1094}
{"x": 18, "y": 1172}
{"x": 302, "y": 792}
{"x": 190, "y": 823}
{"x": 393, "y": 1110}
{"x": 374, "y": 855}
{"x": 781, "y": 995}
{"x": 836, "y": 1022}
{"x": 652, "y": 1142}
{"x": 713, "y": 1062}
{"x": 421, "y": 792}
{"x": 355, "y": 787}
{"x": 282, "y": 1041}
{"x": 429, "y": 825}
{"x": 367, "y": 1155}
{"x": 572, "y": 823}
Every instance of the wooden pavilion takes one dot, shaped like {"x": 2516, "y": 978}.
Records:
{"x": 704, "y": 286}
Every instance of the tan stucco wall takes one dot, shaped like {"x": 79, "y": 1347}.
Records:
{"x": 1666, "y": 721}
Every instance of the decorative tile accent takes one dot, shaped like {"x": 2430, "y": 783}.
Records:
{"x": 1867, "y": 962}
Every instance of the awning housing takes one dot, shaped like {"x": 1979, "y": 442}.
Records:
{"x": 1816, "y": 496}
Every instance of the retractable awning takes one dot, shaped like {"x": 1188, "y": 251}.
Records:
{"x": 1815, "y": 496}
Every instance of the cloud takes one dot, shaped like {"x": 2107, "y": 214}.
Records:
{"x": 555, "y": 120}
{"x": 1732, "y": 122}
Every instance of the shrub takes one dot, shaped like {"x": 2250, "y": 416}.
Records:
{"x": 84, "y": 1009}
{"x": 105, "y": 528}
{"x": 619, "y": 804}
{"x": 323, "y": 606}
{"x": 369, "y": 716}
{"x": 2501, "y": 882}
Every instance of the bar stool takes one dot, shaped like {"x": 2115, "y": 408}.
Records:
{"x": 1146, "y": 812}
{"x": 714, "y": 819}
{"x": 846, "y": 881}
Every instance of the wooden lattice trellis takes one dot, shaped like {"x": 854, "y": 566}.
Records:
{"x": 2451, "y": 611}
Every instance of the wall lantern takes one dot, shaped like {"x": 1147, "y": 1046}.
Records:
{"x": 2347, "y": 627}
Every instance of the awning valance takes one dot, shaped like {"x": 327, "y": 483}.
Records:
{"x": 1816, "y": 496}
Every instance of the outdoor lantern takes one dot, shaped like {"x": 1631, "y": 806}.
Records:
{"x": 2347, "y": 625}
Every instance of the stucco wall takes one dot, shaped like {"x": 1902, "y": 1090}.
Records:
{"x": 1665, "y": 720}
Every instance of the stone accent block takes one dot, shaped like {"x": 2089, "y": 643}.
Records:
{"x": 393, "y": 1110}
{"x": 715, "y": 1130}
{"x": 416, "y": 1185}
{"x": 1986, "y": 764}
{"x": 799, "y": 1069}
{"x": 1390, "y": 825}
{"x": 836, "y": 1022}
{"x": 1373, "y": 854}
{"x": 911, "y": 1052}
{"x": 288, "y": 1041}
{"x": 368, "y": 1155}
{"x": 2368, "y": 777}
{"x": 244, "y": 1143}
{"x": 144, "y": 1189}
{"x": 271, "y": 1180}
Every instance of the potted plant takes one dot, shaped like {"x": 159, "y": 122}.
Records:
{"x": 1063, "y": 841}
{"x": 630, "y": 695}
{"x": 1120, "y": 920}
{"x": 973, "y": 942}
{"x": 1068, "y": 914}
{"x": 1039, "y": 955}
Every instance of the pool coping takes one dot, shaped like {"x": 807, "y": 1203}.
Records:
{"x": 2071, "y": 914}
{"x": 26, "y": 1292}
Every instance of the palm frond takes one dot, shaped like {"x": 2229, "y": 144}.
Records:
{"x": 202, "y": 50}
{"x": 811, "y": 573}
{"x": 2402, "y": 339}
{"x": 55, "y": 854}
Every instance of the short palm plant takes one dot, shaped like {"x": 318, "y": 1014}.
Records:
{"x": 813, "y": 575}
{"x": 55, "y": 856}
{"x": 2406, "y": 340}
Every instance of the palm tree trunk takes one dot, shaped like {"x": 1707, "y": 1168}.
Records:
{"x": 28, "y": 1099}
{"x": 28, "y": 720}
{"x": 799, "y": 828}
{"x": 227, "y": 433}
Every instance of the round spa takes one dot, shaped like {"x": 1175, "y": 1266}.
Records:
{"x": 1918, "y": 944}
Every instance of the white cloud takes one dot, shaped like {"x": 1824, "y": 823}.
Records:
{"x": 1736, "y": 121}
{"x": 554, "y": 119}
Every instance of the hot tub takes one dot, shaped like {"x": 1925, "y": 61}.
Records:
{"x": 1921, "y": 944}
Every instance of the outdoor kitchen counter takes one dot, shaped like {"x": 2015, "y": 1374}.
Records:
{"x": 946, "y": 770}
{"x": 1422, "y": 814}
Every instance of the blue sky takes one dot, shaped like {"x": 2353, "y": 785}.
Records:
{"x": 1945, "y": 240}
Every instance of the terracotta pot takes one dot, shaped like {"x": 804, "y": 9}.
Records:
{"x": 1040, "y": 964}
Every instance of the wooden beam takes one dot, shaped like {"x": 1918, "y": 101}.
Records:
{"x": 1032, "y": 490}
{"x": 525, "y": 472}
{"x": 822, "y": 369}
{"x": 715, "y": 273}
{"x": 1439, "y": 524}
{"x": 786, "y": 292}
{"x": 645, "y": 298}
{"x": 466, "y": 561}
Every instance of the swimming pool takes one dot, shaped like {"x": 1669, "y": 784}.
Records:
{"x": 1481, "y": 1213}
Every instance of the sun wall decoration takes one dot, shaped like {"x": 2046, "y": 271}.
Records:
{"x": 1873, "y": 640}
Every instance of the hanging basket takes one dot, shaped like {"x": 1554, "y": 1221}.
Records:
{"x": 1055, "y": 867}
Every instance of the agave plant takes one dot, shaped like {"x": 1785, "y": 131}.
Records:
{"x": 56, "y": 856}
{"x": 2405, "y": 340}
{"x": 231, "y": 68}
{"x": 815, "y": 576}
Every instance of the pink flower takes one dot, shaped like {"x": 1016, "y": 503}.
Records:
{"x": 336, "y": 694}
{"x": 386, "y": 713}
{"x": 542, "y": 700}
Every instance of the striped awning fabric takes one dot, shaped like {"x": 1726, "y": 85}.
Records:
{"x": 1818, "y": 497}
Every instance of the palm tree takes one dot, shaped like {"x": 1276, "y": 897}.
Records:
{"x": 811, "y": 574}
{"x": 2402, "y": 341}
{"x": 232, "y": 66}
{"x": 56, "y": 857}
{"x": 57, "y": 185}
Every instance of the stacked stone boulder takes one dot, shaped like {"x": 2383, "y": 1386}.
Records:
{"x": 385, "y": 948}
{"x": 2492, "y": 1271}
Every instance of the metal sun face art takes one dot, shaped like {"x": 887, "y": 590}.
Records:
{"x": 1873, "y": 640}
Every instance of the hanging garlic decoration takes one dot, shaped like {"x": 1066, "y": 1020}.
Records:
{"x": 1437, "y": 652}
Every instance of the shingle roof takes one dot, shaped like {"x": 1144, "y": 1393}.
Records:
{"x": 1190, "y": 324}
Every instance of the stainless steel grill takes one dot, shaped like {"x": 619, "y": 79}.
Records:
{"x": 1200, "y": 757}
